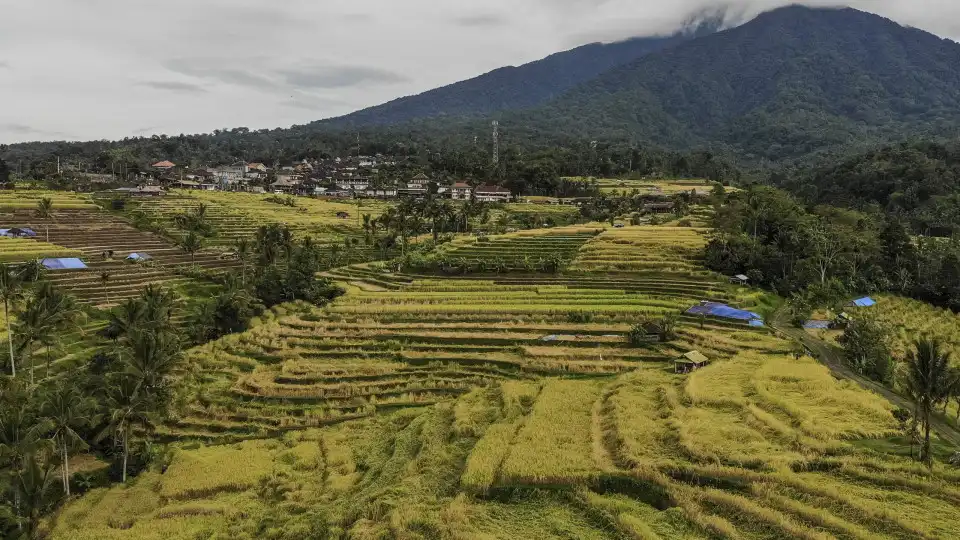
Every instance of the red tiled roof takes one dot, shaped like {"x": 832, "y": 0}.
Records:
{"x": 164, "y": 164}
{"x": 461, "y": 185}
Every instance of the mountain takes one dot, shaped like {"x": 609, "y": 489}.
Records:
{"x": 793, "y": 81}
{"x": 529, "y": 85}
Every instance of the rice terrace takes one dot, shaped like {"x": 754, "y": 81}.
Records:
{"x": 567, "y": 382}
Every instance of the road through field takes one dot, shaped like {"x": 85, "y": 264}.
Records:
{"x": 832, "y": 357}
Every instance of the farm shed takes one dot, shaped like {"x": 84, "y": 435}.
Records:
{"x": 68, "y": 263}
{"x": 652, "y": 331}
{"x": 740, "y": 279}
{"x": 723, "y": 311}
{"x": 343, "y": 215}
{"x": 138, "y": 257}
{"x": 863, "y": 302}
{"x": 690, "y": 361}
{"x": 658, "y": 208}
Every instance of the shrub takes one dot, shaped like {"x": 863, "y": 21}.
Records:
{"x": 580, "y": 317}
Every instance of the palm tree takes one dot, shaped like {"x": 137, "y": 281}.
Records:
{"x": 67, "y": 409}
{"x": 45, "y": 211}
{"x": 104, "y": 280}
{"x": 153, "y": 355}
{"x": 243, "y": 253}
{"x": 367, "y": 220}
{"x": 128, "y": 408}
{"x": 33, "y": 490}
{"x": 11, "y": 291}
{"x": 930, "y": 381}
{"x": 47, "y": 313}
{"x": 191, "y": 244}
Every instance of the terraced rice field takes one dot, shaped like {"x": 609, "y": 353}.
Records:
{"x": 88, "y": 234}
{"x": 512, "y": 406}
{"x": 651, "y": 187}
{"x": 513, "y": 248}
{"x": 238, "y": 215}
{"x": 398, "y": 340}
{"x": 644, "y": 249}
{"x": 28, "y": 199}
{"x": 28, "y": 249}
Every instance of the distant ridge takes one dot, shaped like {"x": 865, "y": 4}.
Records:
{"x": 529, "y": 85}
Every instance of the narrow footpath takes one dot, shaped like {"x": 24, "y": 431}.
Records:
{"x": 832, "y": 357}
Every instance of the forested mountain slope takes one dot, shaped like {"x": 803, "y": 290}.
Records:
{"x": 517, "y": 87}
{"x": 792, "y": 81}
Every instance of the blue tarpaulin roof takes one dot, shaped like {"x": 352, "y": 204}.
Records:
{"x": 139, "y": 257}
{"x": 817, "y": 325}
{"x": 63, "y": 264}
{"x": 18, "y": 231}
{"x": 716, "y": 309}
{"x": 864, "y": 302}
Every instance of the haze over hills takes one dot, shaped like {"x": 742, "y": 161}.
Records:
{"x": 535, "y": 83}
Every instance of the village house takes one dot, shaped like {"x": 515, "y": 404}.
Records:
{"x": 163, "y": 166}
{"x": 658, "y": 208}
{"x": 460, "y": 191}
{"x": 492, "y": 194}
{"x": 286, "y": 184}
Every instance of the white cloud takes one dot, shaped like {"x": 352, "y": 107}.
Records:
{"x": 106, "y": 68}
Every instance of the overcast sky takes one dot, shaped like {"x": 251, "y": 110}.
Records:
{"x": 106, "y": 69}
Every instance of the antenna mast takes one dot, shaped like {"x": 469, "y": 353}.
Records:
{"x": 496, "y": 142}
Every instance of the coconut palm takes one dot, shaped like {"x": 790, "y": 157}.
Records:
{"x": 33, "y": 485}
{"x": 244, "y": 249}
{"x": 191, "y": 244}
{"x": 67, "y": 410}
{"x": 45, "y": 211}
{"x": 152, "y": 355}
{"x": 129, "y": 408}
{"x": 11, "y": 291}
{"x": 105, "y": 280}
{"x": 930, "y": 381}
{"x": 47, "y": 313}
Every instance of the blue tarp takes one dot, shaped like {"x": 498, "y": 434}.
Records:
{"x": 18, "y": 232}
{"x": 552, "y": 337}
{"x": 864, "y": 302}
{"x": 138, "y": 257}
{"x": 716, "y": 309}
{"x": 757, "y": 323}
{"x": 70, "y": 263}
{"x": 817, "y": 325}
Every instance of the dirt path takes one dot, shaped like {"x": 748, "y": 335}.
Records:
{"x": 832, "y": 357}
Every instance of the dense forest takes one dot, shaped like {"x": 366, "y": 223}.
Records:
{"x": 918, "y": 182}
{"x": 790, "y": 83}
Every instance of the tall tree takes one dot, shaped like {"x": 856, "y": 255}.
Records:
{"x": 45, "y": 211}
{"x": 128, "y": 408}
{"x": 67, "y": 410}
{"x": 47, "y": 313}
{"x": 244, "y": 249}
{"x": 11, "y": 291}
{"x": 191, "y": 244}
{"x": 105, "y": 280}
{"x": 930, "y": 381}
